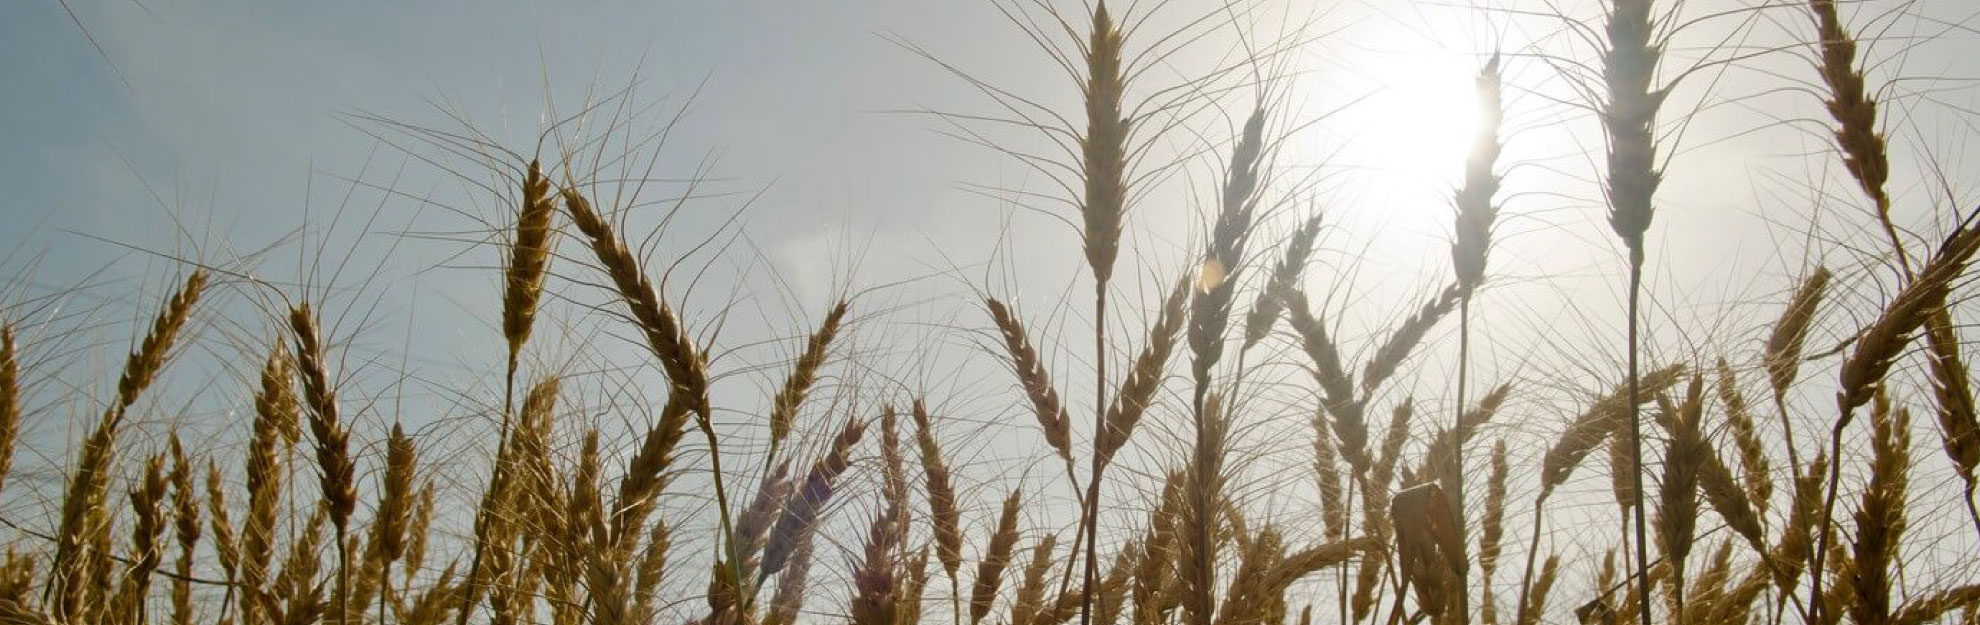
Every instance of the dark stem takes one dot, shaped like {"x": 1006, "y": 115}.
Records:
{"x": 1828, "y": 512}
{"x": 1636, "y": 440}
{"x": 1092, "y": 515}
{"x": 1532, "y": 550}
{"x": 1457, "y": 451}
{"x": 495, "y": 480}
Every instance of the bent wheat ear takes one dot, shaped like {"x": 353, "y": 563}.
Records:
{"x": 1594, "y": 426}
{"x": 1284, "y": 278}
{"x": 84, "y": 502}
{"x": 665, "y": 335}
{"x": 1138, "y": 390}
{"x": 1045, "y": 404}
{"x": 1855, "y": 112}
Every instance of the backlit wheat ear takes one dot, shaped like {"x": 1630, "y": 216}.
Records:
{"x": 1336, "y": 386}
{"x": 783, "y": 412}
{"x": 1144, "y": 379}
{"x": 1863, "y": 371}
{"x": 1959, "y": 420}
{"x": 1333, "y": 505}
{"x": 529, "y": 261}
{"x": 1880, "y": 518}
{"x": 1932, "y": 607}
{"x": 753, "y": 528}
{"x": 147, "y": 535}
{"x": 277, "y": 422}
{"x": 1476, "y": 210}
{"x": 996, "y": 556}
{"x": 915, "y": 573}
{"x": 1736, "y": 505}
{"x": 791, "y": 585}
{"x": 809, "y": 500}
{"x": 1204, "y": 495}
{"x": 1677, "y": 510}
{"x": 1285, "y": 276}
{"x": 1045, "y": 404}
{"x": 1155, "y": 568}
{"x": 1540, "y": 589}
{"x": 1397, "y": 347}
{"x": 1029, "y": 603}
{"x": 1104, "y": 147}
{"x": 876, "y": 590}
{"x": 1746, "y": 438}
{"x": 1223, "y": 262}
{"x": 1629, "y": 117}
{"x": 83, "y": 503}
{"x": 1594, "y": 426}
{"x": 647, "y": 469}
{"x": 1491, "y": 531}
{"x": 226, "y": 546}
{"x": 1855, "y": 112}
{"x": 337, "y": 471}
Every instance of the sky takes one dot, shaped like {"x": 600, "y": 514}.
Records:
{"x": 261, "y": 137}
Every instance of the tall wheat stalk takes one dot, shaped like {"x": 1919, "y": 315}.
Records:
{"x": 1103, "y": 166}
{"x": 1630, "y": 118}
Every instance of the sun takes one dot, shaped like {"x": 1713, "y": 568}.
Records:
{"x": 1403, "y": 114}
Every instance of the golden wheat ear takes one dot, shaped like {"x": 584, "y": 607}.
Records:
{"x": 996, "y": 556}
{"x": 804, "y": 373}
{"x": 84, "y": 524}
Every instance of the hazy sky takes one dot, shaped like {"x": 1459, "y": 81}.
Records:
{"x": 212, "y": 129}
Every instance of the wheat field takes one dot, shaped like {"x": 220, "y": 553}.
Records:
{"x": 1191, "y": 381}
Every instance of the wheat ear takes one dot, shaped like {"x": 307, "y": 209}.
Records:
{"x": 1862, "y": 373}
{"x": 1285, "y": 276}
{"x": 804, "y": 373}
{"x": 996, "y": 556}
{"x": 1045, "y": 404}
{"x": 83, "y": 505}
